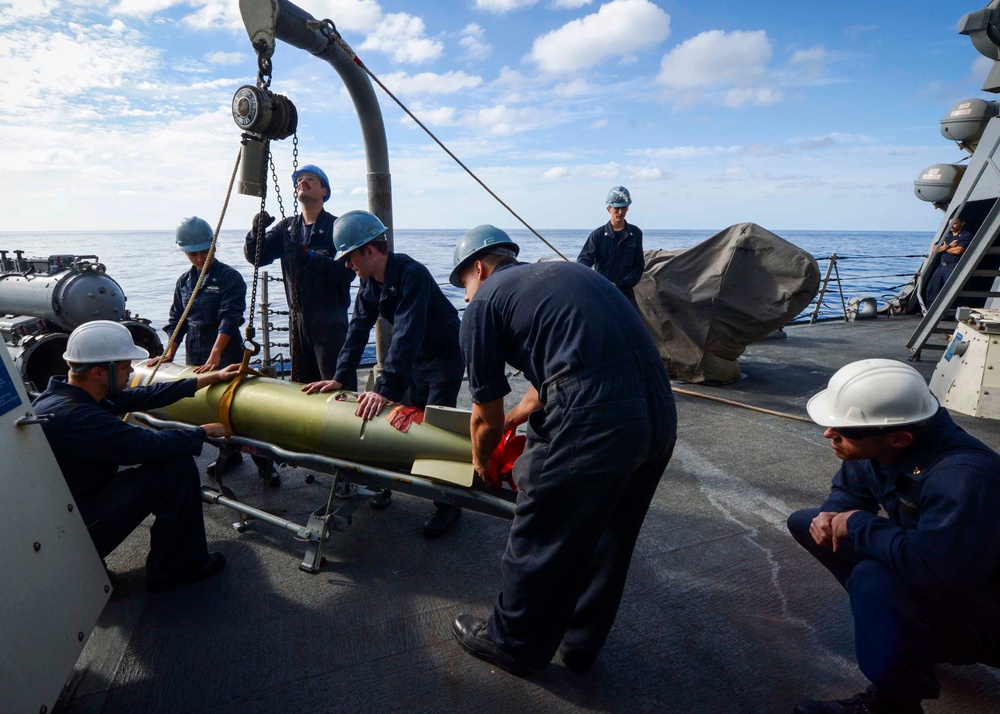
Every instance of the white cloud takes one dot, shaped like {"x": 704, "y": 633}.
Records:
{"x": 810, "y": 64}
{"x": 350, "y": 15}
{"x": 215, "y": 13}
{"x": 43, "y": 68}
{"x": 499, "y": 7}
{"x": 618, "y": 28}
{"x": 402, "y": 36}
{"x": 25, "y": 9}
{"x": 555, "y": 173}
{"x": 501, "y": 120}
{"x": 599, "y": 124}
{"x": 474, "y": 42}
{"x": 431, "y": 82}
{"x": 574, "y": 88}
{"x": 226, "y": 57}
{"x": 570, "y": 4}
{"x": 732, "y": 64}
{"x": 759, "y": 96}
{"x": 649, "y": 174}
{"x": 143, "y": 8}
{"x": 716, "y": 57}
{"x": 437, "y": 116}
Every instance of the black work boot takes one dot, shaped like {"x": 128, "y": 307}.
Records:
{"x": 381, "y": 499}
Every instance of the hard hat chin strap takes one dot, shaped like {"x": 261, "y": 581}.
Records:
{"x": 112, "y": 379}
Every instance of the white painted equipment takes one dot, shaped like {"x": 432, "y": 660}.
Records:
{"x": 967, "y": 378}
{"x": 54, "y": 585}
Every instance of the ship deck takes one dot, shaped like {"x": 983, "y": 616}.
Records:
{"x": 723, "y": 612}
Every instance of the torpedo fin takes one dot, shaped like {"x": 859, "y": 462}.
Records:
{"x": 455, "y": 472}
{"x": 449, "y": 418}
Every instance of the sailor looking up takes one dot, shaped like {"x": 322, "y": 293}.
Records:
{"x": 615, "y": 249}
{"x": 91, "y": 444}
{"x": 317, "y": 286}
{"x": 924, "y": 578}
{"x": 424, "y": 356}
{"x": 601, "y": 426}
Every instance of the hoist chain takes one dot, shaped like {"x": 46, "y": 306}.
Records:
{"x": 295, "y": 167}
{"x": 264, "y": 66}
{"x": 277, "y": 185}
{"x": 256, "y": 264}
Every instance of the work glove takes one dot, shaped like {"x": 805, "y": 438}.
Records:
{"x": 262, "y": 217}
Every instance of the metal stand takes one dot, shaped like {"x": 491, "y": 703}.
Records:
{"x": 825, "y": 284}
{"x": 352, "y": 485}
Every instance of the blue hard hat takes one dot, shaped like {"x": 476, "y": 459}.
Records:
{"x": 355, "y": 229}
{"x": 194, "y": 235}
{"x": 316, "y": 171}
{"x": 619, "y": 197}
{"x": 481, "y": 239}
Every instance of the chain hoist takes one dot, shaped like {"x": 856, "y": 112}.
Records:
{"x": 263, "y": 116}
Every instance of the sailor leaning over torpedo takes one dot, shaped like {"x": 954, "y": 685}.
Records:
{"x": 615, "y": 249}
{"x": 91, "y": 444}
{"x": 601, "y": 427}
{"x": 317, "y": 287}
{"x": 424, "y": 356}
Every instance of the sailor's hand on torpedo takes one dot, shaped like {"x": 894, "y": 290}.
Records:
{"x": 369, "y": 405}
{"x": 216, "y": 431}
{"x": 167, "y": 356}
{"x": 208, "y": 366}
{"x": 228, "y": 372}
{"x": 326, "y": 385}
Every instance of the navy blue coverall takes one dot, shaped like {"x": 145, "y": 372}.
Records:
{"x": 424, "y": 354}
{"x": 924, "y": 582}
{"x": 617, "y": 255}
{"x": 946, "y": 265}
{"x": 317, "y": 288}
{"x": 217, "y": 310}
{"x": 90, "y": 443}
{"x": 594, "y": 455}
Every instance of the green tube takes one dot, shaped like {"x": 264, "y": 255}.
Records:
{"x": 279, "y": 413}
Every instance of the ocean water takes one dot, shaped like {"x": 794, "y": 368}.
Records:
{"x": 147, "y": 263}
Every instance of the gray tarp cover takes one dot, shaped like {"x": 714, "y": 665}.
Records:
{"x": 704, "y": 305}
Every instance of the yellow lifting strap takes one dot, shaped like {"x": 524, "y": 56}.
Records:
{"x": 250, "y": 348}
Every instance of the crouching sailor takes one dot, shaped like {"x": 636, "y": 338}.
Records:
{"x": 90, "y": 443}
{"x": 923, "y": 579}
{"x": 601, "y": 429}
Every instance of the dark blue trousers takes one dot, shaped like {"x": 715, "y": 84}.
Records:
{"x": 936, "y": 284}
{"x": 170, "y": 491}
{"x": 593, "y": 459}
{"x": 319, "y": 339}
{"x": 900, "y": 634}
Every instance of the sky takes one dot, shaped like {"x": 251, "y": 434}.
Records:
{"x": 793, "y": 115}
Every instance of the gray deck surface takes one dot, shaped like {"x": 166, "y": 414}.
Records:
{"x": 723, "y": 612}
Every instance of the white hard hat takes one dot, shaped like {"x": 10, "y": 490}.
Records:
{"x": 101, "y": 341}
{"x": 873, "y": 393}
